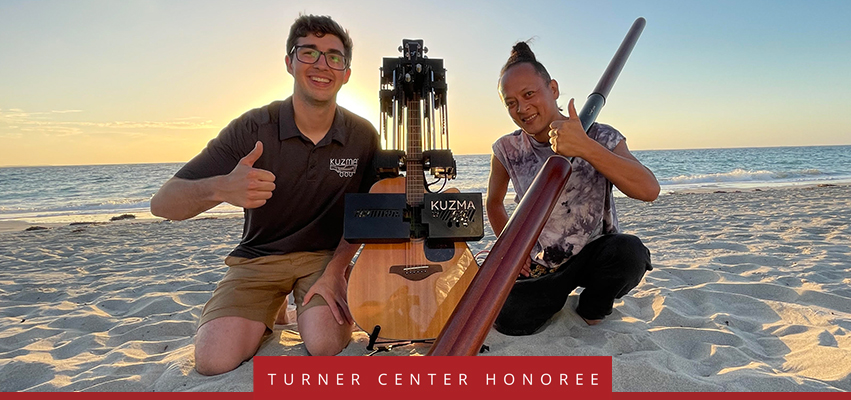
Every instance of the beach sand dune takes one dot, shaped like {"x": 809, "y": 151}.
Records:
{"x": 751, "y": 291}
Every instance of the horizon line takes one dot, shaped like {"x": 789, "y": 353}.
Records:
{"x": 464, "y": 154}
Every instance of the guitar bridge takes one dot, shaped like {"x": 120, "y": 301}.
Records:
{"x": 416, "y": 272}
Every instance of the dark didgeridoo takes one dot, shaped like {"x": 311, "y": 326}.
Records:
{"x": 467, "y": 328}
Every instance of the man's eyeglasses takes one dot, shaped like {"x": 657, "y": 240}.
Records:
{"x": 309, "y": 55}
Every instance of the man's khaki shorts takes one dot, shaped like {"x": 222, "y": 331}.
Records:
{"x": 256, "y": 288}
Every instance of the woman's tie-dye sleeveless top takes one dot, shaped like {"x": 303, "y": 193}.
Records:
{"x": 585, "y": 209}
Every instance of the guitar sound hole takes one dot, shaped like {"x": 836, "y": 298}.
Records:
{"x": 439, "y": 251}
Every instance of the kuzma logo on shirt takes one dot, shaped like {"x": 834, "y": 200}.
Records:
{"x": 346, "y": 167}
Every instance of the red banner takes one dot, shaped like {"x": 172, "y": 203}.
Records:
{"x": 411, "y": 378}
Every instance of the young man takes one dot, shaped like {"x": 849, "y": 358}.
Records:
{"x": 289, "y": 165}
{"x": 580, "y": 244}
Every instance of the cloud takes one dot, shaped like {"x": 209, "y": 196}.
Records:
{"x": 15, "y": 121}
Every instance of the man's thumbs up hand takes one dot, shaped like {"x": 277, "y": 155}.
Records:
{"x": 246, "y": 186}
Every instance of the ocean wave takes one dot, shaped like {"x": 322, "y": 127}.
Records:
{"x": 59, "y": 207}
{"x": 742, "y": 175}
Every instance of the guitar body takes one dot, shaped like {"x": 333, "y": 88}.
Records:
{"x": 409, "y": 289}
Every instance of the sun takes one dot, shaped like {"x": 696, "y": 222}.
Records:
{"x": 361, "y": 102}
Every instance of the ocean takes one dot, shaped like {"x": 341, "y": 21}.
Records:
{"x": 98, "y": 192}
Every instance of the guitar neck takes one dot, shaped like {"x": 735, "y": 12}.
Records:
{"x": 414, "y": 178}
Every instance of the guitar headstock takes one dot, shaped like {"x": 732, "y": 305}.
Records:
{"x": 413, "y": 49}
{"x": 413, "y": 112}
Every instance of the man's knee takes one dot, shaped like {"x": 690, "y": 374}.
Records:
{"x": 321, "y": 333}
{"x": 326, "y": 345}
{"x": 208, "y": 362}
{"x": 224, "y": 343}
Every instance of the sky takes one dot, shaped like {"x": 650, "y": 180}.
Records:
{"x": 114, "y": 82}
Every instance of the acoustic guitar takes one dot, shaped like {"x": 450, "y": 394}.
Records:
{"x": 409, "y": 289}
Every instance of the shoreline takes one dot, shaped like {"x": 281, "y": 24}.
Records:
{"x": 13, "y": 225}
{"x": 17, "y": 225}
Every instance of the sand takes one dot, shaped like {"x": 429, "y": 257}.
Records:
{"x": 751, "y": 291}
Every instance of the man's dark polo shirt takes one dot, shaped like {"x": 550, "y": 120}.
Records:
{"x": 305, "y": 212}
